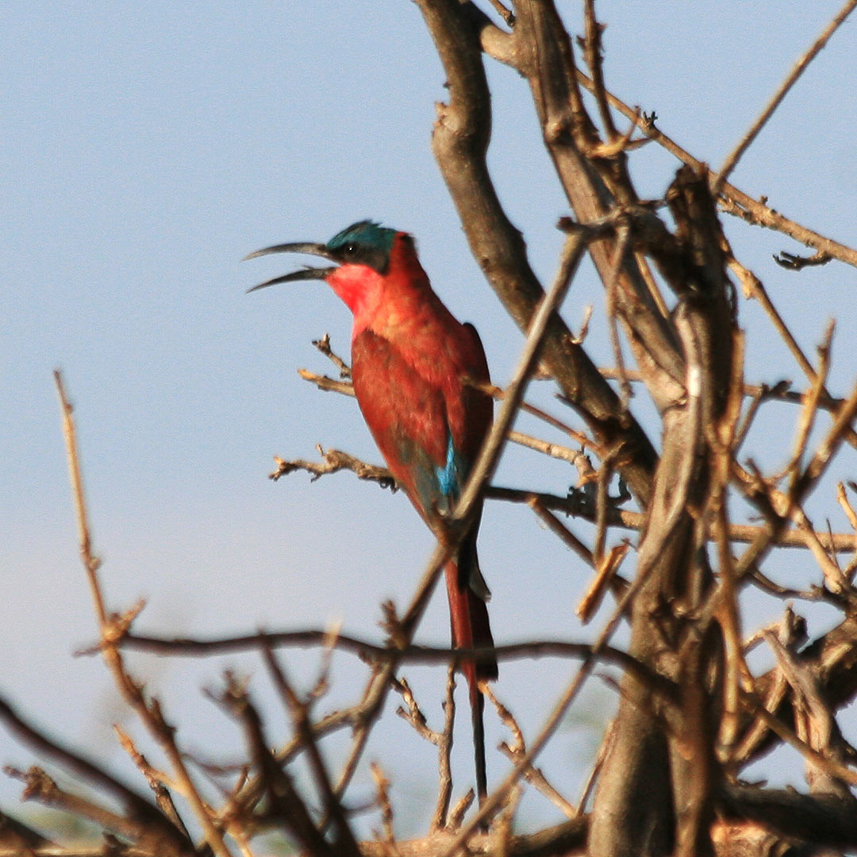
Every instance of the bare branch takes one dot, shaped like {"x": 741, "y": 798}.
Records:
{"x": 285, "y": 803}
{"x": 515, "y": 752}
{"x": 197, "y": 647}
{"x": 792, "y": 78}
{"x": 441, "y": 813}
{"x": 335, "y": 460}
{"x": 113, "y": 628}
{"x": 346, "y": 844}
{"x": 143, "y": 821}
{"x": 323, "y": 345}
{"x": 732, "y": 200}
{"x": 382, "y": 785}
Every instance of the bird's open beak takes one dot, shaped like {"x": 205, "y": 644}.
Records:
{"x": 307, "y": 273}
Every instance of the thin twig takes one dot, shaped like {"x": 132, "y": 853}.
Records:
{"x": 593, "y": 54}
{"x": 158, "y": 782}
{"x": 559, "y": 529}
{"x": 285, "y": 804}
{"x": 514, "y": 751}
{"x": 791, "y": 262}
{"x": 444, "y": 796}
{"x": 382, "y": 786}
{"x": 38, "y": 785}
{"x": 792, "y": 78}
{"x": 611, "y": 286}
{"x": 91, "y": 562}
{"x": 200, "y": 647}
{"x": 830, "y": 766}
{"x": 336, "y": 460}
{"x": 346, "y": 844}
{"x": 323, "y": 345}
{"x": 142, "y": 814}
{"x": 809, "y": 476}
{"x": 603, "y": 749}
{"x": 113, "y": 628}
{"x": 733, "y": 200}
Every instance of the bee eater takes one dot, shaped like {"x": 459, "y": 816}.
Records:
{"x": 413, "y": 366}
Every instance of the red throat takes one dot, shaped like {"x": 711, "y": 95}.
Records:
{"x": 359, "y": 286}
{"x": 371, "y": 295}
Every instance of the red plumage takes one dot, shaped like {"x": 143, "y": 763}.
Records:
{"x": 411, "y": 362}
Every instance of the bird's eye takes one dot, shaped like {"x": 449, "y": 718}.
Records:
{"x": 350, "y": 248}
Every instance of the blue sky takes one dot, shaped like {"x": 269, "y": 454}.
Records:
{"x": 146, "y": 148}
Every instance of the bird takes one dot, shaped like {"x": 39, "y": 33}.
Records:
{"x": 415, "y": 371}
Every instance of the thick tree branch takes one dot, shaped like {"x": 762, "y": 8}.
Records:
{"x": 460, "y": 141}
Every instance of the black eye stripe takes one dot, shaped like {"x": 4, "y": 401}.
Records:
{"x": 353, "y": 252}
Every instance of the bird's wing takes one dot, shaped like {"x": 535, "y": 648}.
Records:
{"x": 478, "y": 406}
{"x": 408, "y": 418}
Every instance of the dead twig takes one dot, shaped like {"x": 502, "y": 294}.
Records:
{"x": 515, "y": 751}
{"x": 792, "y": 78}
{"x": 285, "y": 807}
{"x": 334, "y": 460}
{"x": 346, "y": 844}
{"x": 323, "y": 345}
{"x": 113, "y": 628}
{"x": 199, "y": 647}
{"x": 791, "y": 262}
{"x": 732, "y": 200}
{"x": 382, "y": 786}
{"x": 143, "y": 821}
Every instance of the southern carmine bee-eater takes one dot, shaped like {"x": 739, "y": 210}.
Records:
{"x": 413, "y": 367}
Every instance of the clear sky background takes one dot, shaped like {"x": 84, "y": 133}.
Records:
{"x": 146, "y": 148}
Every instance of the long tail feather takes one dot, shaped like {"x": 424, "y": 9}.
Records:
{"x": 471, "y": 629}
{"x": 477, "y": 707}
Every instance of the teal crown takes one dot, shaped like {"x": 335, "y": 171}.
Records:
{"x": 365, "y": 233}
{"x": 364, "y": 243}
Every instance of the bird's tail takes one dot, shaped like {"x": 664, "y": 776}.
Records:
{"x": 471, "y": 630}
